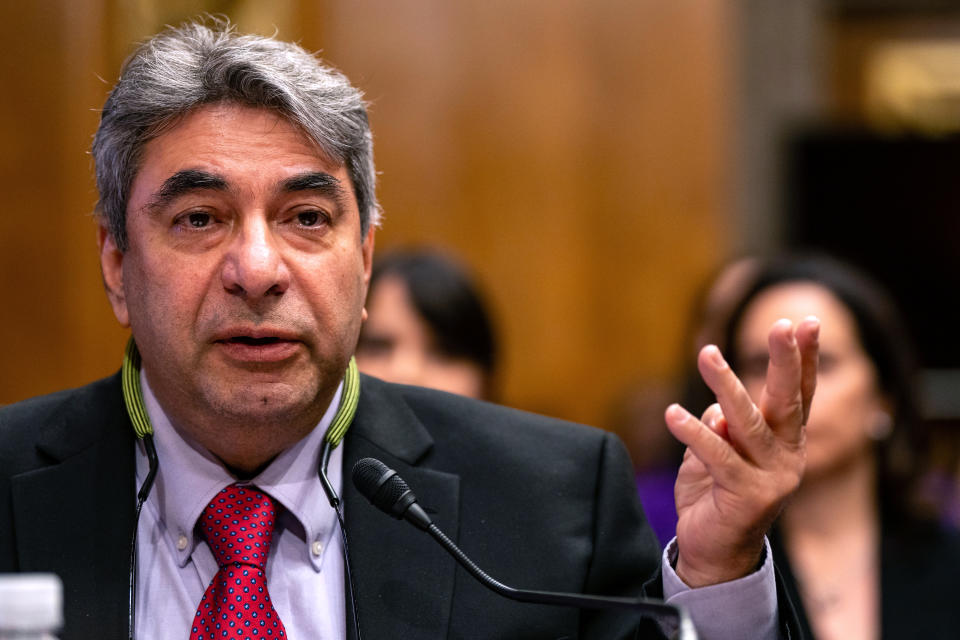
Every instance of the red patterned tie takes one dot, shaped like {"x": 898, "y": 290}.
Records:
{"x": 238, "y": 526}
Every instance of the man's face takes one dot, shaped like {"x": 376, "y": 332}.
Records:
{"x": 245, "y": 276}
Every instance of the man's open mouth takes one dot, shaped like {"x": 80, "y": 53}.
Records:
{"x": 256, "y": 342}
{"x": 260, "y": 350}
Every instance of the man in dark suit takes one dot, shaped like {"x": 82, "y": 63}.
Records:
{"x": 238, "y": 212}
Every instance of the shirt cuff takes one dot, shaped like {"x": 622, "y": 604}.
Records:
{"x": 742, "y": 608}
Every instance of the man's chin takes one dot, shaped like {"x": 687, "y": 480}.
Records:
{"x": 294, "y": 394}
{"x": 263, "y": 402}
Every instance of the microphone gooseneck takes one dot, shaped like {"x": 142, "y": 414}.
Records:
{"x": 387, "y": 491}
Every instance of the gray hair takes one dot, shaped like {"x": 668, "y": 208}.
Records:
{"x": 183, "y": 68}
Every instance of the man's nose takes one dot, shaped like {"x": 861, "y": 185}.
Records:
{"x": 254, "y": 267}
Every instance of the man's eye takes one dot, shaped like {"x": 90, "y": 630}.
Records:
{"x": 827, "y": 363}
{"x": 310, "y": 218}
{"x": 198, "y": 219}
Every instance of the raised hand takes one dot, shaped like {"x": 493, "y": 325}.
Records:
{"x": 743, "y": 459}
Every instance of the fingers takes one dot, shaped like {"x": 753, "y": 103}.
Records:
{"x": 708, "y": 447}
{"x": 714, "y": 419}
{"x": 808, "y": 340}
{"x": 745, "y": 426}
{"x": 752, "y": 430}
{"x": 782, "y": 400}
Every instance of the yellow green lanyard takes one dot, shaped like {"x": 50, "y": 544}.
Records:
{"x": 133, "y": 397}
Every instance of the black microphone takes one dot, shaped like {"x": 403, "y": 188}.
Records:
{"x": 388, "y": 492}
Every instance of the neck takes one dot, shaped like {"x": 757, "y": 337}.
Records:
{"x": 834, "y": 503}
{"x": 246, "y": 447}
{"x": 245, "y": 444}
{"x": 831, "y": 533}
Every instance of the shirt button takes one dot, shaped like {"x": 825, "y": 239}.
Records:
{"x": 316, "y": 548}
{"x": 182, "y": 542}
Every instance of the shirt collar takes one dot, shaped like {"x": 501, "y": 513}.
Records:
{"x": 189, "y": 477}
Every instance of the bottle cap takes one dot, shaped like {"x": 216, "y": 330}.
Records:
{"x": 31, "y": 602}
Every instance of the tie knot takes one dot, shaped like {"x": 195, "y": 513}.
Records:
{"x": 238, "y": 525}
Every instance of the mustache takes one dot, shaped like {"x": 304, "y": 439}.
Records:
{"x": 247, "y": 324}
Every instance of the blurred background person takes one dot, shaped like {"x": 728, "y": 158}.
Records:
{"x": 636, "y": 415}
{"x": 863, "y": 557}
{"x": 428, "y": 325}
{"x": 715, "y": 302}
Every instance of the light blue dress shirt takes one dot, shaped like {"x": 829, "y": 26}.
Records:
{"x": 305, "y": 575}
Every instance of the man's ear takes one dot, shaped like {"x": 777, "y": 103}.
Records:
{"x": 367, "y": 251}
{"x": 111, "y": 268}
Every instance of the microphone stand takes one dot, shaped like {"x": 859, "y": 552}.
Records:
{"x": 387, "y": 491}
{"x": 658, "y": 610}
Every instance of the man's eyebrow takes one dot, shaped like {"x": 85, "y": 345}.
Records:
{"x": 318, "y": 181}
{"x": 183, "y": 182}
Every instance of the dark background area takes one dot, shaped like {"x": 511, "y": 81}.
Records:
{"x": 891, "y": 205}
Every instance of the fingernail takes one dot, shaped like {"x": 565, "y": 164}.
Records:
{"x": 716, "y": 356}
{"x": 791, "y": 331}
{"x": 677, "y": 413}
{"x": 816, "y": 325}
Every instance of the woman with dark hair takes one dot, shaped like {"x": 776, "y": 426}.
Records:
{"x": 861, "y": 556}
{"x": 427, "y": 326}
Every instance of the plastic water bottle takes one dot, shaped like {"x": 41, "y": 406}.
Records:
{"x": 31, "y": 606}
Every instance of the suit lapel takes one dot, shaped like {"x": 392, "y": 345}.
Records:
{"x": 404, "y": 579}
{"x": 75, "y": 517}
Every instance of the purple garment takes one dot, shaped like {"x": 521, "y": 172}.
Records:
{"x": 744, "y": 608}
{"x": 655, "y": 488}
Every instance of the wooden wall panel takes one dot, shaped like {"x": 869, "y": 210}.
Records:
{"x": 57, "y": 328}
{"x": 575, "y": 154}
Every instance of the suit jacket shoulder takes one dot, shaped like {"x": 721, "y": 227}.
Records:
{"x": 537, "y": 502}
{"x": 65, "y": 422}
{"x": 66, "y": 500}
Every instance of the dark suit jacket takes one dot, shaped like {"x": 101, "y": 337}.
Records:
{"x": 538, "y": 503}
{"x": 919, "y": 565}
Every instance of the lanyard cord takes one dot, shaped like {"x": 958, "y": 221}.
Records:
{"x": 133, "y": 399}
